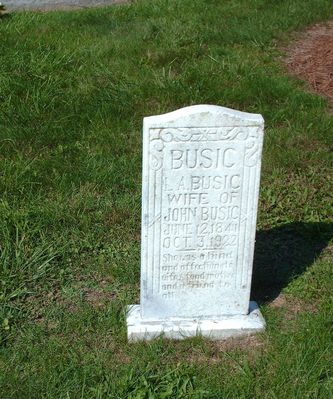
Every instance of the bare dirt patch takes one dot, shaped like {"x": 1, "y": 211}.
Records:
{"x": 221, "y": 351}
{"x": 98, "y": 297}
{"x": 310, "y": 57}
{"x": 289, "y": 308}
{"x": 292, "y": 306}
{"x": 98, "y": 292}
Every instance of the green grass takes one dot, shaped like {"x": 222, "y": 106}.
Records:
{"x": 74, "y": 87}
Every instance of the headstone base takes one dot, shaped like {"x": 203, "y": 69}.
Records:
{"x": 177, "y": 328}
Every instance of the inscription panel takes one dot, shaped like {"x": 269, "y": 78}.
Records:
{"x": 199, "y": 211}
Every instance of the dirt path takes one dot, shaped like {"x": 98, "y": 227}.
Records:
{"x": 310, "y": 57}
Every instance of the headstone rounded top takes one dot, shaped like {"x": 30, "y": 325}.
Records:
{"x": 205, "y": 115}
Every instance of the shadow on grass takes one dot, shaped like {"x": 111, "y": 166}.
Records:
{"x": 283, "y": 253}
{"x": 5, "y": 15}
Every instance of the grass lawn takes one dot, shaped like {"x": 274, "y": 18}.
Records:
{"x": 74, "y": 87}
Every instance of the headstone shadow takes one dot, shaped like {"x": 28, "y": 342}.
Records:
{"x": 283, "y": 253}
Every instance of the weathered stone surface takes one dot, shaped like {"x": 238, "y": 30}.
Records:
{"x": 180, "y": 328}
{"x": 201, "y": 171}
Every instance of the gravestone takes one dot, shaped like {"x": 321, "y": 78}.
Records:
{"x": 200, "y": 185}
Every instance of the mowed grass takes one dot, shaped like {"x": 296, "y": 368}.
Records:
{"x": 74, "y": 87}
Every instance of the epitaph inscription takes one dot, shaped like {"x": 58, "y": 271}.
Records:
{"x": 201, "y": 170}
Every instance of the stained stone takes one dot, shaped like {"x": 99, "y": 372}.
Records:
{"x": 200, "y": 185}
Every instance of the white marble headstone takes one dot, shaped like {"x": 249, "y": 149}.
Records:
{"x": 200, "y": 185}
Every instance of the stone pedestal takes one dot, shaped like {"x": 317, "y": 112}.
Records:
{"x": 177, "y": 328}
